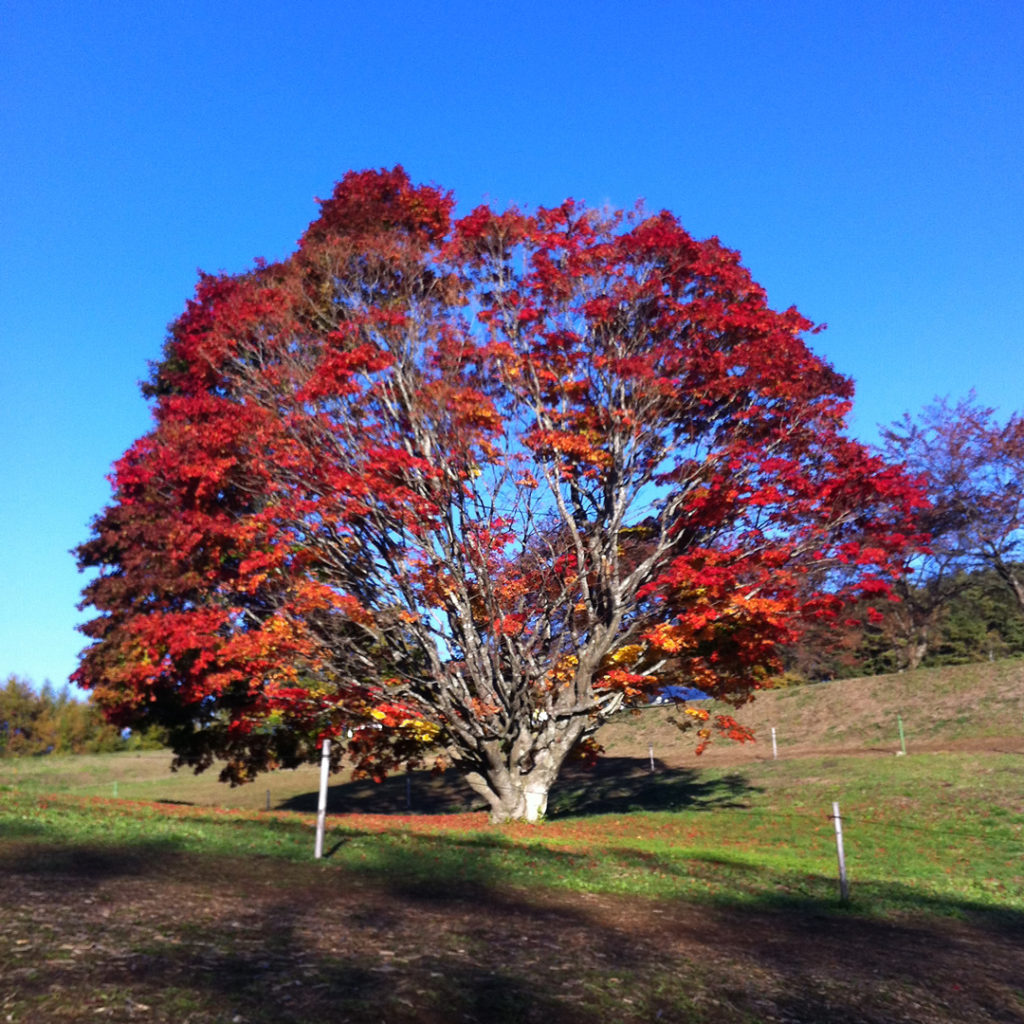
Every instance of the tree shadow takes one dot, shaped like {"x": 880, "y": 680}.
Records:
{"x": 618, "y": 785}
{"x": 415, "y": 941}
{"x": 86, "y": 863}
{"x": 615, "y": 785}
{"x": 401, "y": 793}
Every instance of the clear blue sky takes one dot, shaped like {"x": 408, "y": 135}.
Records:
{"x": 865, "y": 158}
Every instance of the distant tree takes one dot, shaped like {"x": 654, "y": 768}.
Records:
{"x": 474, "y": 485}
{"x": 973, "y": 466}
{"x": 49, "y": 720}
{"x": 20, "y": 710}
{"x": 981, "y": 623}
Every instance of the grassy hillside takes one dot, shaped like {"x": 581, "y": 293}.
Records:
{"x": 978, "y": 705}
{"x": 965, "y": 707}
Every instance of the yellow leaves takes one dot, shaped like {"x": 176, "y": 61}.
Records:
{"x": 627, "y": 654}
{"x": 698, "y": 713}
{"x": 419, "y": 730}
{"x": 564, "y": 671}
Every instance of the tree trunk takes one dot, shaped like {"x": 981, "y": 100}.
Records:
{"x": 914, "y": 653}
{"x": 1016, "y": 583}
{"x": 517, "y": 797}
{"x": 517, "y": 785}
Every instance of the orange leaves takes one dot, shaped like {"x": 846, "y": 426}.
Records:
{"x": 730, "y": 728}
{"x": 631, "y": 684}
{"x": 508, "y": 625}
{"x": 563, "y": 672}
{"x": 572, "y": 448}
{"x": 484, "y": 708}
{"x": 668, "y": 637}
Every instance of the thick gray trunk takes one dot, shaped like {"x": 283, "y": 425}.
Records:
{"x": 515, "y": 798}
{"x": 517, "y": 788}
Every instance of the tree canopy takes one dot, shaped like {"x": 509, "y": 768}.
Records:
{"x": 459, "y": 489}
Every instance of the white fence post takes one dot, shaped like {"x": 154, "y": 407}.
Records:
{"x": 321, "y": 811}
{"x": 844, "y": 887}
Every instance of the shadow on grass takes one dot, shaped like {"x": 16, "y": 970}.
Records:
{"x": 86, "y": 863}
{"x": 618, "y": 785}
{"x": 440, "y": 928}
{"x": 442, "y": 868}
{"x": 615, "y": 785}
{"x": 401, "y": 793}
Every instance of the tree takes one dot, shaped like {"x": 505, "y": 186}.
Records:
{"x": 973, "y": 467}
{"x": 20, "y": 710}
{"x": 982, "y": 623}
{"x": 50, "y": 721}
{"x": 470, "y": 487}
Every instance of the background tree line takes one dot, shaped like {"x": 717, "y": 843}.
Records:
{"x": 51, "y": 720}
{"x": 977, "y": 621}
{"x": 962, "y": 598}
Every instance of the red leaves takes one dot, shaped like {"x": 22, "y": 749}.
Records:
{"x": 335, "y": 373}
{"x": 510, "y": 472}
{"x": 370, "y": 204}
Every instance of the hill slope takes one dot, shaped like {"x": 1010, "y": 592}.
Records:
{"x": 956, "y": 706}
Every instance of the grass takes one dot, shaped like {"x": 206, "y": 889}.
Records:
{"x": 936, "y": 831}
{"x": 704, "y": 891}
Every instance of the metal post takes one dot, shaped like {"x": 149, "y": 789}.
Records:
{"x": 321, "y": 811}
{"x": 899, "y": 725}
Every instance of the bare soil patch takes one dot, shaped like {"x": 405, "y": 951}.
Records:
{"x": 90, "y": 934}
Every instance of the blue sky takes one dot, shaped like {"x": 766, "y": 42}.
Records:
{"x": 865, "y": 158}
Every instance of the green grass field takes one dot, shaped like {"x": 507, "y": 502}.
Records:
{"x": 938, "y": 831}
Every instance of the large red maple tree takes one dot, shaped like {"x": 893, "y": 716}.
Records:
{"x": 462, "y": 488}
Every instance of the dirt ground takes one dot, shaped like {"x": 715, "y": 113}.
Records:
{"x": 89, "y": 935}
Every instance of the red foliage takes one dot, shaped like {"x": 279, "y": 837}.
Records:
{"x": 474, "y": 484}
